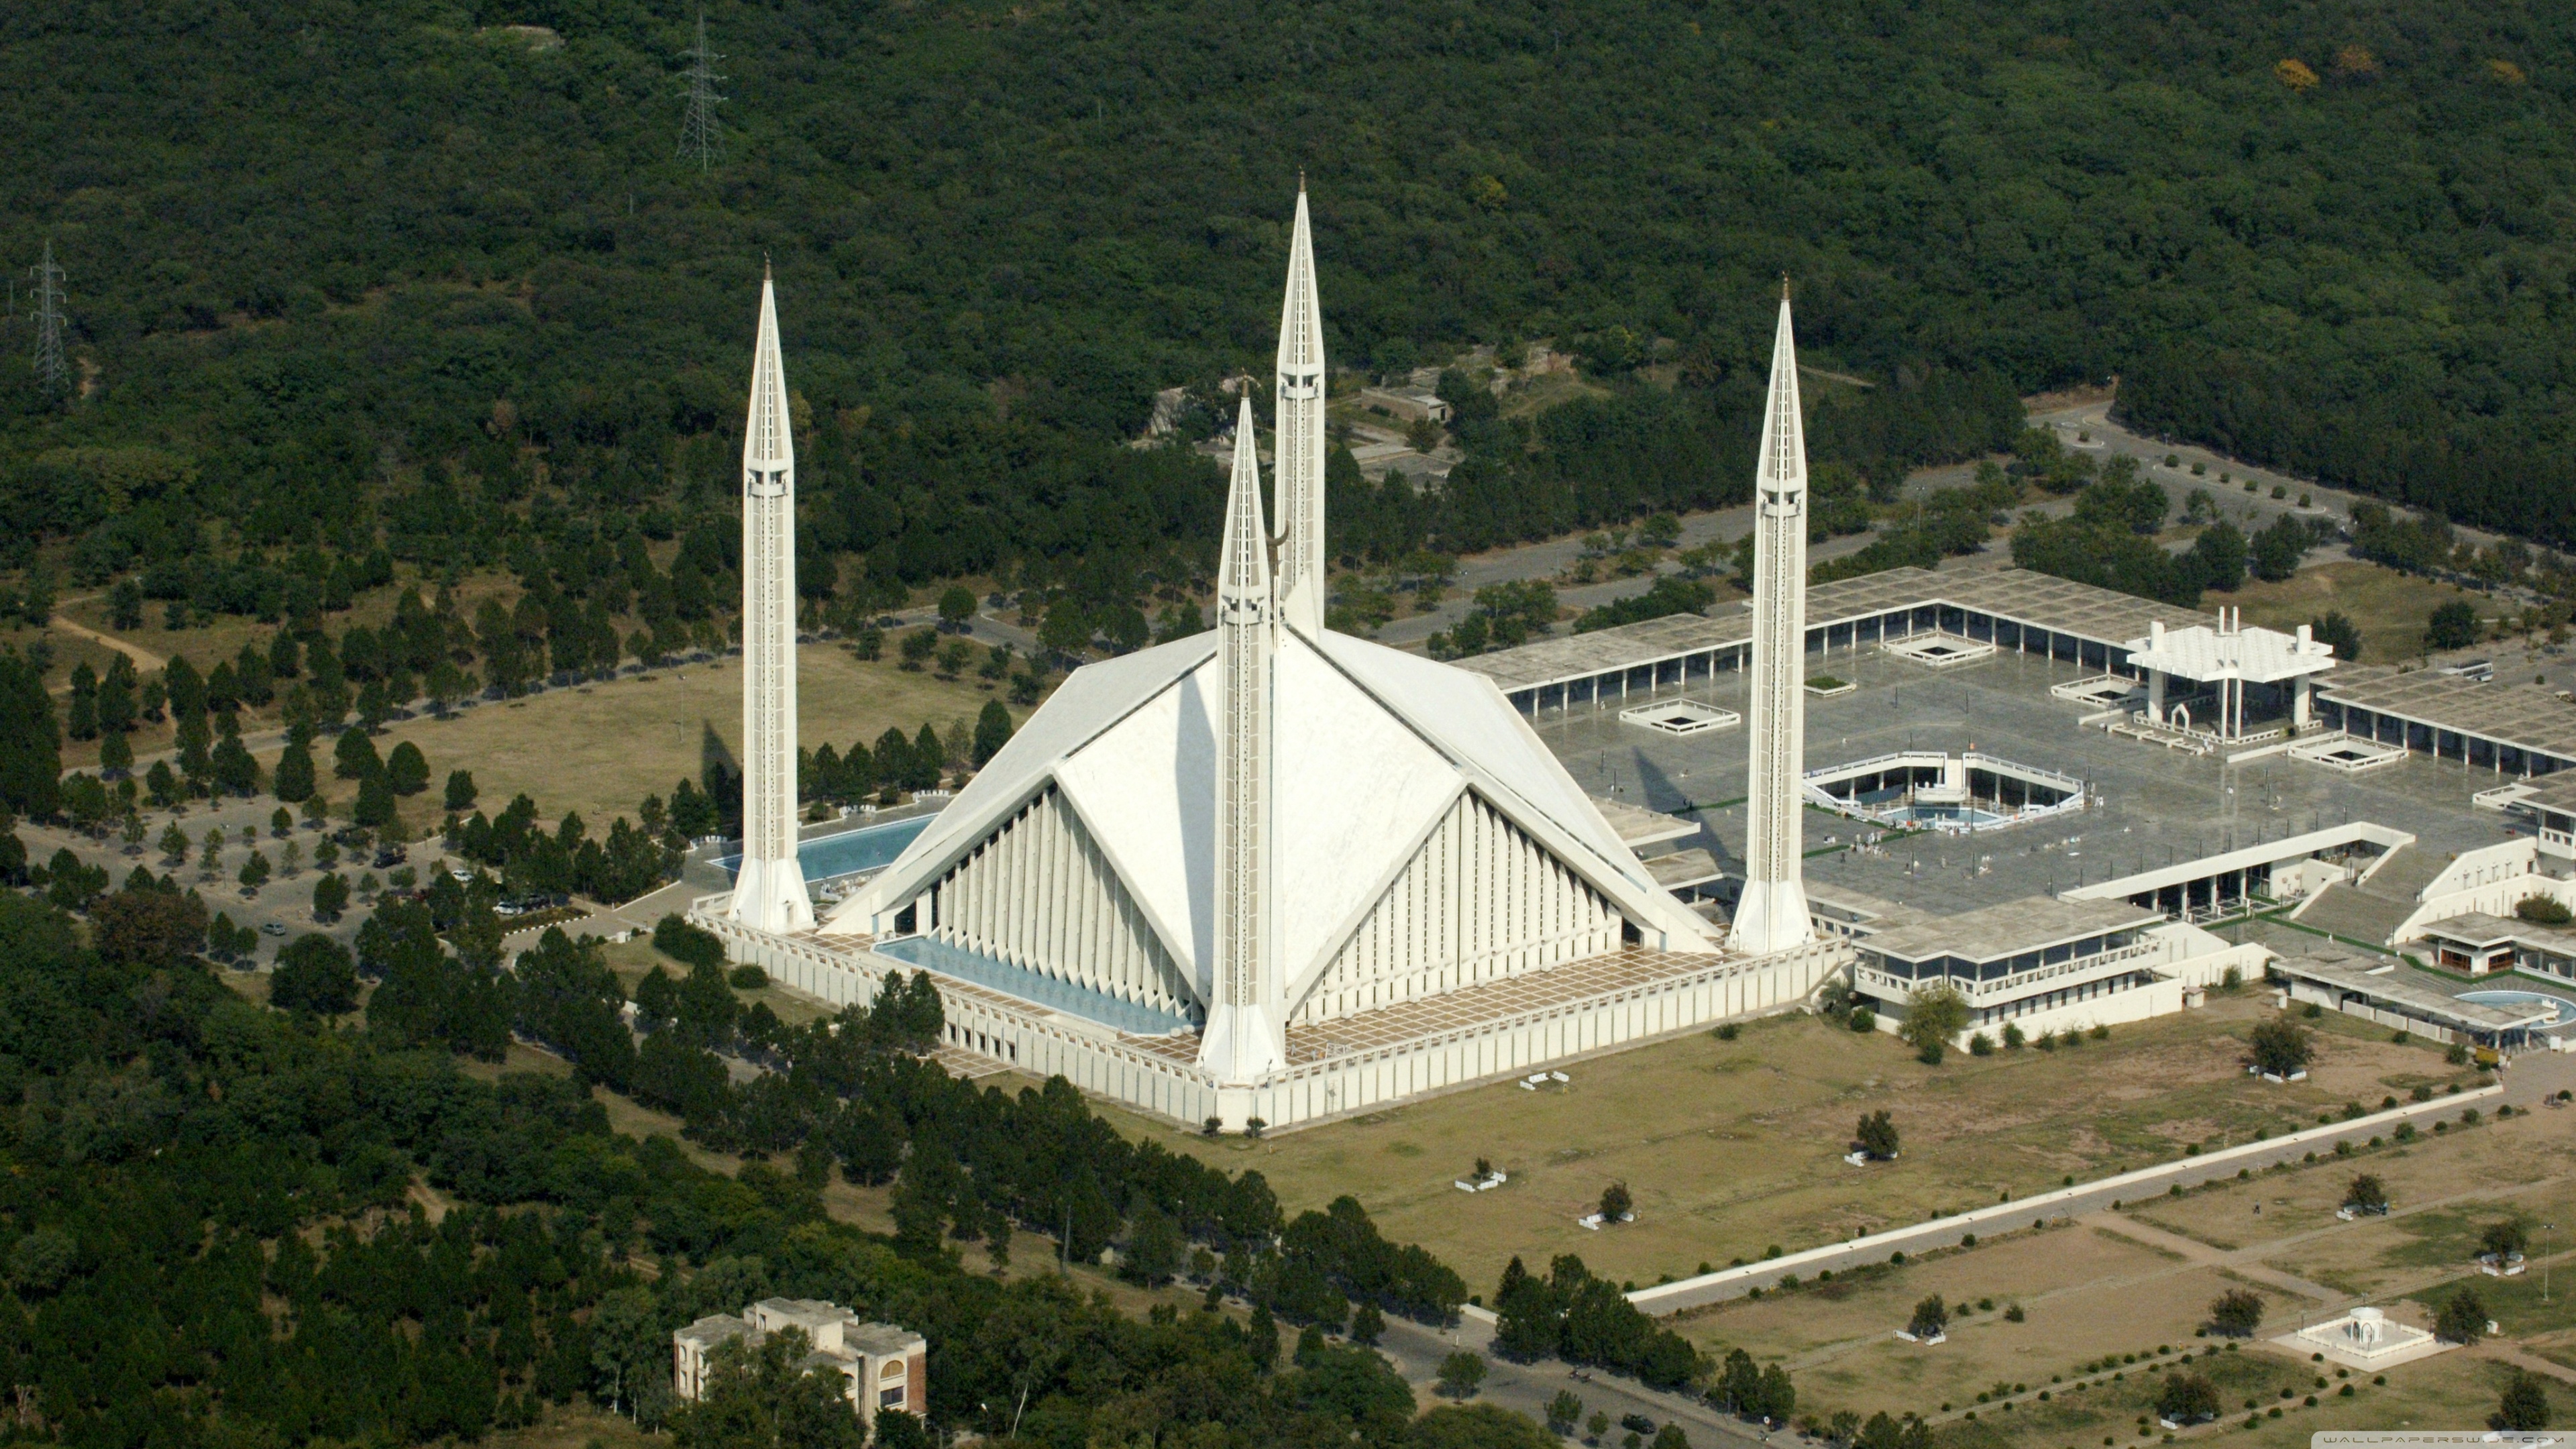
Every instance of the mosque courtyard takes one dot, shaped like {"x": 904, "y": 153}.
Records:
{"x": 2155, "y": 806}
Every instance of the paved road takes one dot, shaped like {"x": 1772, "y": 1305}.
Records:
{"x": 1416, "y": 1352}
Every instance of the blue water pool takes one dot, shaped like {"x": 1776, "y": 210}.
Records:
{"x": 1942, "y": 815}
{"x": 870, "y": 847}
{"x": 2562, "y": 1009}
{"x": 1019, "y": 981}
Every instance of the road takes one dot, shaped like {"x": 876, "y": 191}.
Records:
{"x": 1416, "y": 1352}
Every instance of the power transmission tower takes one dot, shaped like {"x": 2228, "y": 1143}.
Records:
{"x": 700, "y": 137}
{"x": 51, "y": 374}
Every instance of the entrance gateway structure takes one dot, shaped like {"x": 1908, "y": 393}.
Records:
{"x": 1273, "y": 873}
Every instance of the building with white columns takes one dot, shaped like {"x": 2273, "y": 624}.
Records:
{"x": 1276, "y": 873}
{"x": 2241, "y": 676}
{"x": 1772, "y": 915}
{"x": 769, "y": 889}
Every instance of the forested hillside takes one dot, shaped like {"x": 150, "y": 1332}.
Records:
{"x": 343, "y": 273}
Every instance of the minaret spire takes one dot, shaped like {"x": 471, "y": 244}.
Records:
{"x": 1299, "y": 467}
{"x": 1772, "y": 916}
{"x": 1243, "y": 1039}
{"x": 769, "y": 889}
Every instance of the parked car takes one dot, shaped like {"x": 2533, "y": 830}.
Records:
{"x": 272, "y": 928}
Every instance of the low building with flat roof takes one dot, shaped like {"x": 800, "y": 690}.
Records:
{"x": 2512, "y": 729}
{"x": 2475, "y": 943}
{"x": 2394, "y": 996}
{"x": 2046, "y": 964}
{"x": 2015, "y": 610}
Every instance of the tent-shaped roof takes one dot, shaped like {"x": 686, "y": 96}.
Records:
{"x": 1373, "y": 748}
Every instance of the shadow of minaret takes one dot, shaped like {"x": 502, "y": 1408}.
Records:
{"x": 720, "y": 775}
{"x": 1663, "y": 792}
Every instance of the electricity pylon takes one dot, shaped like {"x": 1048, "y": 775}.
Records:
{"x": 51, "y": 373}
{"x": 700, "y": 137}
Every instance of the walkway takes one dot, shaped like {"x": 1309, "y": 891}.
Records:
{"x": 2062, "y": 1203}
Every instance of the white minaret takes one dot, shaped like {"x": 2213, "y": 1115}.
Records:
{"x": 1299, "y": 466}
{"x": 769, "y": 890}
{"x": 1773, "y": 914}
{"x": 1244, "y": 1038}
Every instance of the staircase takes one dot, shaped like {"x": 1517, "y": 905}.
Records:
{"x": 2354, "y": 914}
{"x": 2372, "y": 911}
{"x": 2405, "y": 874}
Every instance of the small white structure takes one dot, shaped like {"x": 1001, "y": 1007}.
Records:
{"x": 2349, "y": 754}
{"x": 2365, "y": 1338}
{"x": 1680, "y": 717}
{"x": 2229, "y": 661}
{"x": 1954, "y": 794}
{"x": 1941, "y": 651}
{"x": 884, "y": 1367}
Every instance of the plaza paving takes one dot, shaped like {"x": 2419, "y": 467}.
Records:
{"x": 2155, "y": 805}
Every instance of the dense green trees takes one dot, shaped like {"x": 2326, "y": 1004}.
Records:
{"x": 210, "y": 1231}
{"x": 437, "y": 296}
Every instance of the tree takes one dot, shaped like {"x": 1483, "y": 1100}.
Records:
{"x": 2340, "y": 632}
{"x": 314, "y": 974}
{"x": 918, "y": 647}
{"x": 1876, "y": 1135}
{"x": 1616, "y": 1204}
{"x": 2365, "y": 1195}
{"x": 2524, "y": 1407}
{"x": 2187, "y": 1398}
{"x": 406, "y": 769}
{"x": 1461, "y": 1372}
{"x": 2452, "y": 625}
{"x": 255, "y": 871}
{"x": 31, "y": 764}
{"x": 1475, "y": 1426}
{"x": 330, "y": 895}
{"x": 2219, "y": 555}
{"x": 1931, "y": 1317}
{"x": 460, "y": 791}
{"x": 2462, "y": 1318}
{"x": 375, "y": 804}
{"x": 354, "y": 757}
{"x": 1564, "y": 1412}
{"x": 2236, "y": 1313}
{"x": 956, "y": 605}
{"x": 2504, "y": 1238}
{"x": 293, "y": 780}
{"x": 1935, "y": 1014}
{"x": 2281, "y": 1047}
{"x": 992, "y": 731}
{"x": 148, "y": 929}
{"x": 2278, "y": 548}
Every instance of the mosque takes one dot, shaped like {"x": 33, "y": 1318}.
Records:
{"x": 1273, "y": 874}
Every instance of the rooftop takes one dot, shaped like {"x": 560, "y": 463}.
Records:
{"x": 1638, "y": 826}
{"x": 2393, "y": 987}
{"x": 2058, "y": 605}
{"x": 2554, "y": 793}
{"x": 2014, "y": 926}
{"x": 2264, "y": 656}
{"x": 2522, "y": 715}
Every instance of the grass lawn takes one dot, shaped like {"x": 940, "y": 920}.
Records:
{"x": 2101, "y": 1289}
{"x": 1735, "y": 1147}
{"x": 2387, "y": 606}
{"x": 601, "y": 748}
